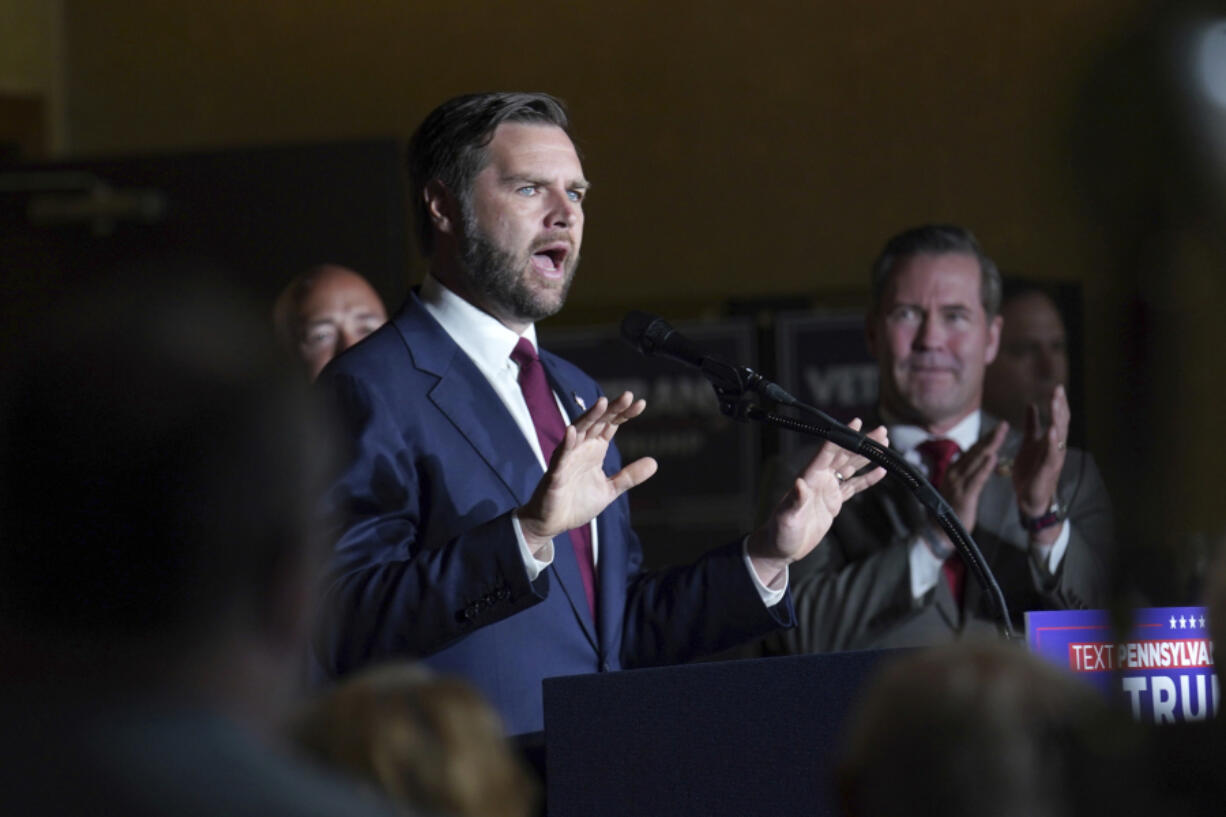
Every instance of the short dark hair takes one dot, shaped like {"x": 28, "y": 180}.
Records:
{"x": 158, "y": 464}
{"x": 935, "y": 239}
{"x": 450, "y": 144}
{"x": 1016, "y": 286}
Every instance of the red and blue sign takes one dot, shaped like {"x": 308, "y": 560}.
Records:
{"x": 1162, "y": 668}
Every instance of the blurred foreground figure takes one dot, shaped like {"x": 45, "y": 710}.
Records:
{"x": 1187, "y": 757}
{"x": 1033, "y": 357}
{"x": 427, "y": 741}
{"x": 985, "y": 728}
{"x": 155, "y": 573}
{"x": 323, "y": 312}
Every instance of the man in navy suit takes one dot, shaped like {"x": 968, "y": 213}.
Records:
{"x": 452, "y": 540}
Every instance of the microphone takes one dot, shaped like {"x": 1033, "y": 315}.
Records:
{"x": 655, "y": 337}
{"x": 652, "y": 335}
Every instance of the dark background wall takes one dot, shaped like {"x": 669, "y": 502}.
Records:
{"x": 756, "y": 151}
{"x": 737, "y": 150}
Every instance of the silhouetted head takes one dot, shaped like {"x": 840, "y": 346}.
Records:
{"x": 157, "y": 465}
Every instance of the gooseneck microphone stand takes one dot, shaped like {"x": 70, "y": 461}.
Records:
{"x": 733, "y": 386}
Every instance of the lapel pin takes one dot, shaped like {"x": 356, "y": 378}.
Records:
{"x": 579, "y": 400}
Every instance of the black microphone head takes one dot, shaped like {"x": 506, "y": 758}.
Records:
{"x": 644, "y": 331}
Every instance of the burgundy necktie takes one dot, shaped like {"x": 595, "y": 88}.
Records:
{"x": 550, "y": 429}
{"x": 939, "y": 454}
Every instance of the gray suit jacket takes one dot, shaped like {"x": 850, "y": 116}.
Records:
{"x": 854, "y": 590}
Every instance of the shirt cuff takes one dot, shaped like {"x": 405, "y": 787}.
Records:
{"x": 773, "y": 594}
{"x": 532, "y": 565}
{"x": 1050, "y": 556}
{"x": 925, "y": 567}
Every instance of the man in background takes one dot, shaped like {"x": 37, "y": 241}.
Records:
{"x": 1033, "y": 356}
{"x": 157, "y": 575}
{"x": 323, "y": 312}
{"x": 887, "y": 575}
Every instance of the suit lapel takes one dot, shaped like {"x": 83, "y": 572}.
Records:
{"x": 565, "y": 564}
{"x": 467, "y": 399}
{"x": 470, "y": 403}
{"x": 995, "y": 504}
{"x": 904, "y": 523}
{"x": 943, "y": 598}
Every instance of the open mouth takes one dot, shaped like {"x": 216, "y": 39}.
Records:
{"x": 550, "y": 259}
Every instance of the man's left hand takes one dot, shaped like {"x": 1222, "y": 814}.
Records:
{"x": 1036, "y": 469}
{"x": 806, "y": 512}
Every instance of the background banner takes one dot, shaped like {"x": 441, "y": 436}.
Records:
{"x": 1163, "y": 668}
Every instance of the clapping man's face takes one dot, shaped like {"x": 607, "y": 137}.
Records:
{"x": 933, "y": 339}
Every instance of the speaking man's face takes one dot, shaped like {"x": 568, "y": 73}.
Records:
{"x": 523, "y": 223}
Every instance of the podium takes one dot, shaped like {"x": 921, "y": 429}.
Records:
{"x": 752, "y": 737}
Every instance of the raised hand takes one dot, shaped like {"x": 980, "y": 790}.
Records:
{"x": 1039, "y": 461}
{"x": 575, "y": 488}
{"x": 964, "y": 479}
{"x": 805, "y": 514}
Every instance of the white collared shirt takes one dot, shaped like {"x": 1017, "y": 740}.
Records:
{"x": 925, "y": 565}
{"x": 488, "y": 343}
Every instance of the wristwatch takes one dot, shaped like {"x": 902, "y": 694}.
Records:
{"x": 1054, "y": 516}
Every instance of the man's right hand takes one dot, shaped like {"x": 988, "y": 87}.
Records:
{"x": 964, "y": 480}
{"x": 575, "y": 488}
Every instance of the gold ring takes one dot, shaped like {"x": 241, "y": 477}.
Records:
{"x": 839, "y": 477}
{"x": 1061, "y": 445}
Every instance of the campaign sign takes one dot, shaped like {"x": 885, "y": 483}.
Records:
{"x": 703, "y": 493}
{"x": 1163, "y": 670}
{"x": 823, "y": 360}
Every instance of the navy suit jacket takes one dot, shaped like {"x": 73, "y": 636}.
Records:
{"x": 426, "y": 563}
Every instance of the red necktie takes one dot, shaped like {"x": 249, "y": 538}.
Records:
{"x": 550, "y": 429}
{"x": 939, "y": 454}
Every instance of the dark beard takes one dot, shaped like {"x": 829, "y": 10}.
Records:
{"x": 497, "y": 277}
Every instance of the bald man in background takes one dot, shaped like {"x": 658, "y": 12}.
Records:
{"x": 323, "y": 312}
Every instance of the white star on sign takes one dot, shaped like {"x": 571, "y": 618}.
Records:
{"x": 1183, "y": 623}
{"x": 1172, "y": 622}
